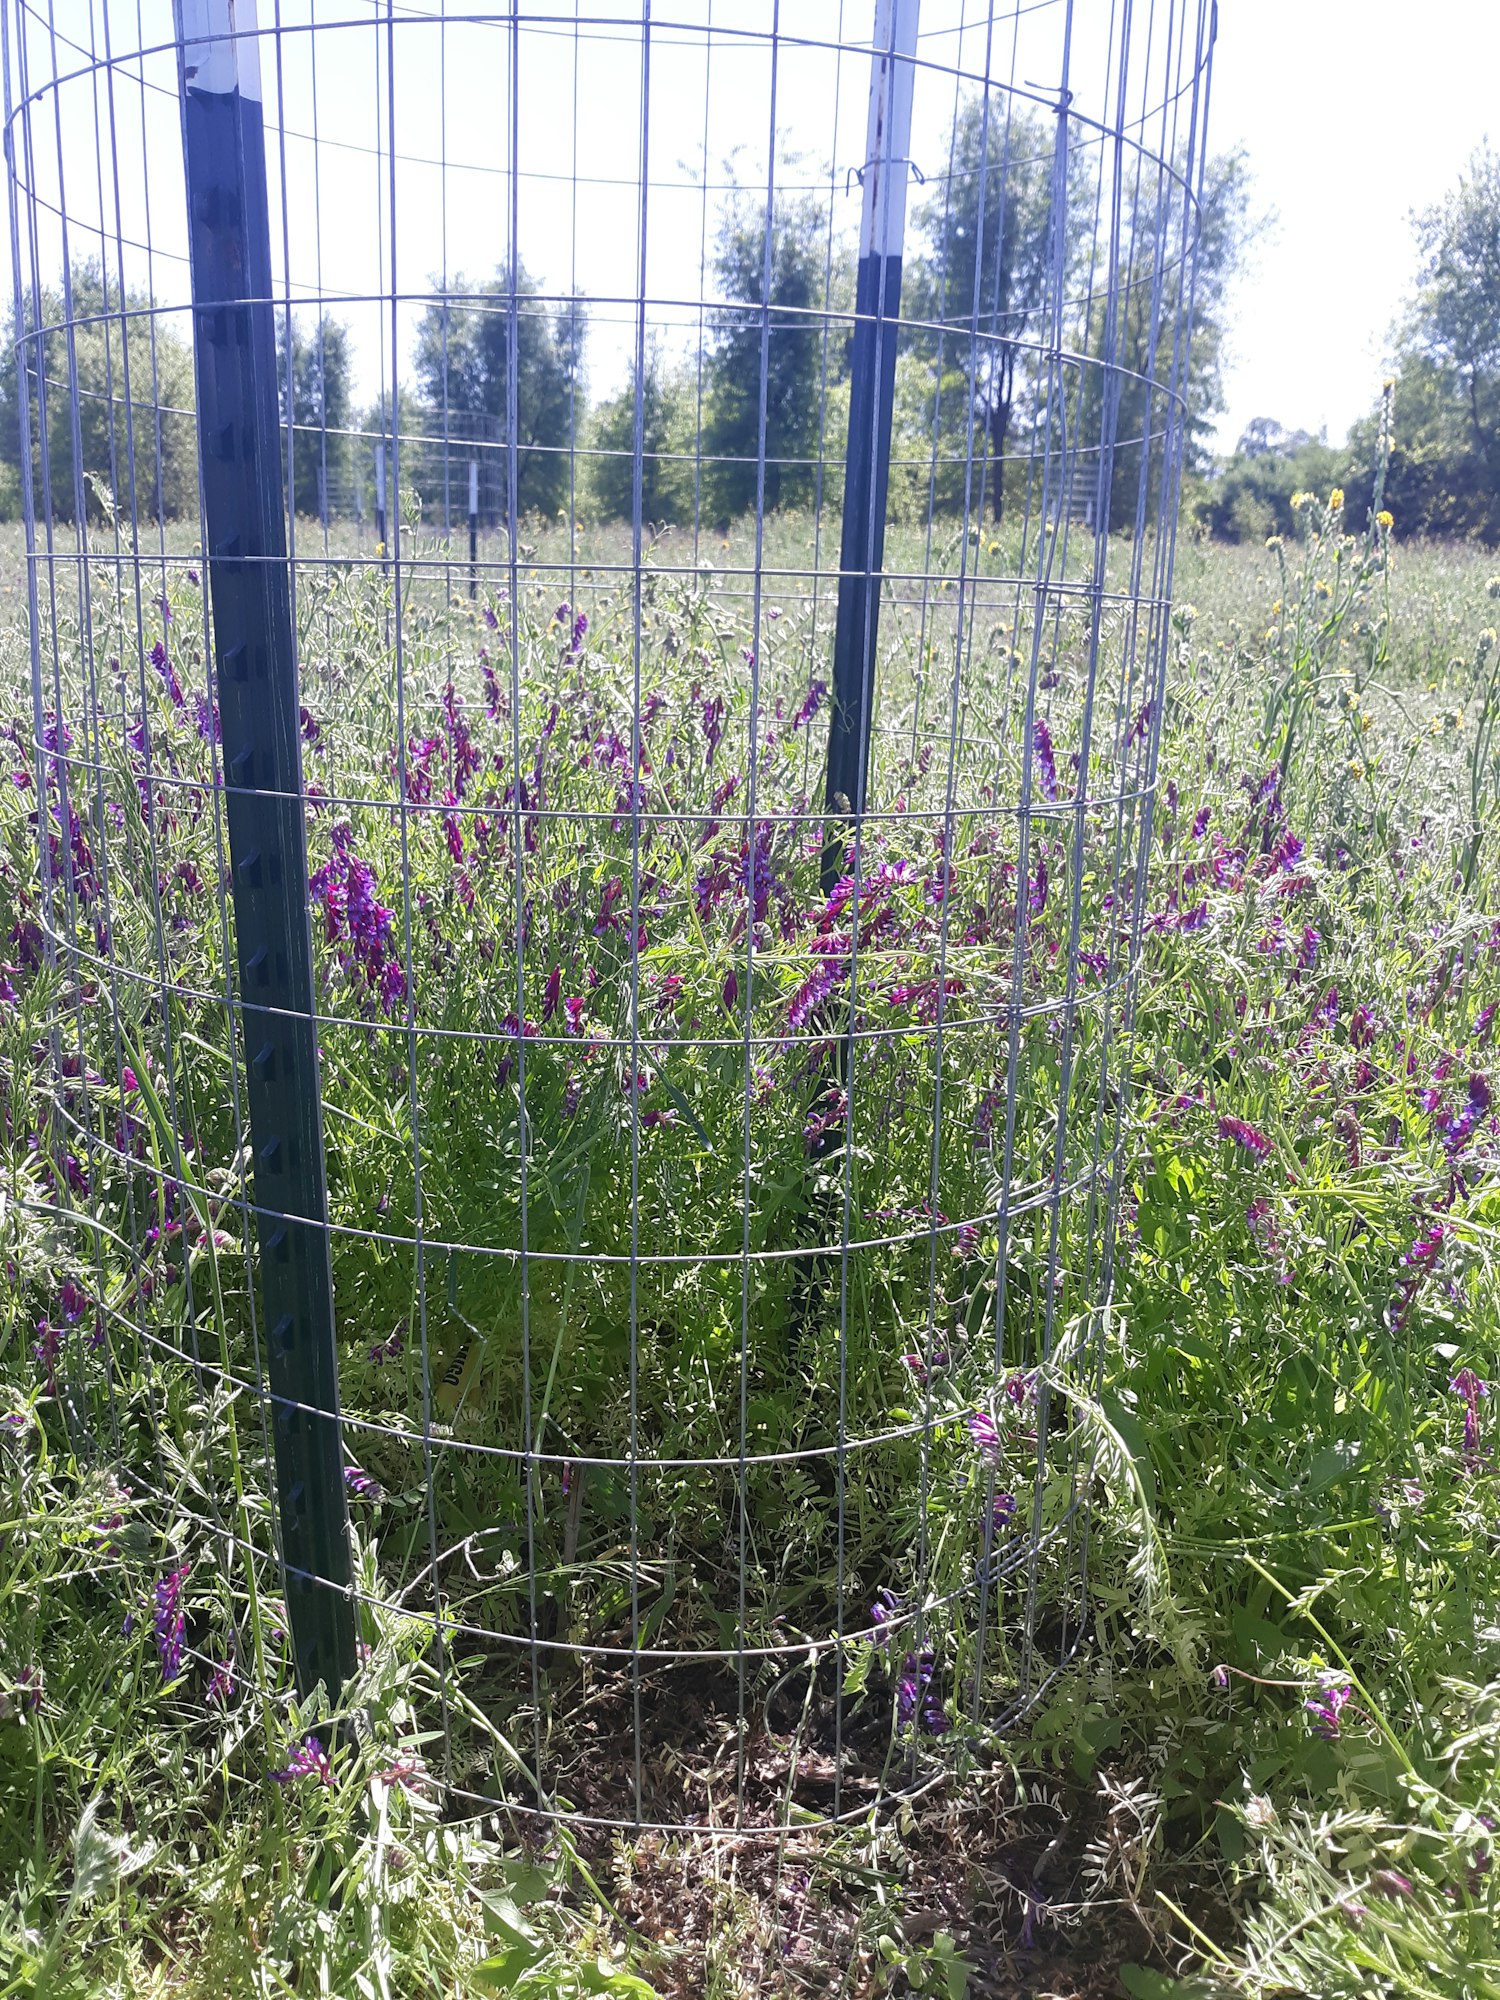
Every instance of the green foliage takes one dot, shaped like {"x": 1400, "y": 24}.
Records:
{"x": 989, "y": 255}
{"x": 320, "y": 410}
{"x": 128, "y": 371}
{"x": 461, "y": 362}
{"x": 1250, "y": 497}
{"x": 668, "y": 437}
{"x": 785, "y": 320}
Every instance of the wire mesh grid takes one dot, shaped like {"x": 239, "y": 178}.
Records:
{"x": 681, "y": 761}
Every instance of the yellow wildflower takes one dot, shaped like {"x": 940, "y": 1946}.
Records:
{"x": 1385, "y": 519}
{"x": 1336, "y": 499}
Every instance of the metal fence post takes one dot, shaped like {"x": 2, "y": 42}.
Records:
{"x": 872, "y": 390}
{"x": 473, "y": 526}
{"x": 234, "y": 345}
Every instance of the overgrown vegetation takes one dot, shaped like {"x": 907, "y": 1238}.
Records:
{"x": 1271, "y": 1764}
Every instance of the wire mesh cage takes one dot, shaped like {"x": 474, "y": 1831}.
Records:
{"x": 599, "y": 589}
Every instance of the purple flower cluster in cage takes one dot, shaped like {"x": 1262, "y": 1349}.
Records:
{"x": 168, "y": 1622}
{"x": 916, "y": 1697}
{"x": 1470, "y": 1388}
{"x": 1327, "y": 1708}
{"x": 308, "y": 1760}
{"x": 356, "y": 920}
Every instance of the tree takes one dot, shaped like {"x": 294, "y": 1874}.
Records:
{"x": 131, "y": 377}
{"x": 1250, "y": 496}
{"x": 666, "y": 442}
{"x": 985, "y": 279}
{"x": 1148, "y": 309}
{"x": 462, "y": 362}
{"x": 793, "y": 313}
{"x": 320, "y": 409}
{"x": 1443, "y": 476}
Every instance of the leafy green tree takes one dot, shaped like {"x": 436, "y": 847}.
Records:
{"x": 1146, "y": 328}
{"x": 321, "y": 403}
{"x": 1250, "y": 496}
{"x": 1443, "y": 476}
{"x": 136, "y": 416}
{"x": 462, "y": 365}
{"x": 667, "y": 414}
{"x": 793, "y": 311}
{"x": 983, "y": 286}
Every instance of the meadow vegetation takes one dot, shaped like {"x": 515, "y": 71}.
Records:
{"x": 1270, "y": 1766}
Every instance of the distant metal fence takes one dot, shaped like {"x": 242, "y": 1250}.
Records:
{"x": 595, "y": 919}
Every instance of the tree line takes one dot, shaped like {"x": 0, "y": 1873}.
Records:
{"x": 1438, "y": 471}
{"x": 991, "y": 250}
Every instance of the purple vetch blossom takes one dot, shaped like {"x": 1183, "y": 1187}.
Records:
{"x": 713, "y": 725}
{"x": 1423, "y": 1253}
{"x": 360, "y": 1484}
{"x": 169, "y": 679}
{"x": 1327, "y": 1708}
{"x": 1200, "y": 823}
{"x": 812, "y": 701}
{"x": 1002, "y": 1514}
{"x": 308, "y": 1760}
{"x": 883, "y": 1614}
{"x": 222, "y": 1682}
{"x": 984, "y": 1436}
{"x": 1361, "y": 1027}
{"x": 47, "y": 1350}
{"x": 1460, "y": 1128}
{"x": 1043, "y": 759}
{"x": 810, "y": 996}
{"x": 1470, "y": 1389}
{"x": 552, "y": 993}
{"x": 1253, "y": 1141}
{"x": 914, "y": 1691}
{"x": 1307, "y": 950}
{"x": 168, "y": 1625}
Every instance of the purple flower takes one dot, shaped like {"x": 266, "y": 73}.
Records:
{"x": 360, "y": 1484}
{"x": 1327, "y": 1707}
{"x": 810, "y": 996}
{"x": 1002, "y": 1513}
{"x": 1200, "y": 824}
{"x": 1307, "y": 950}
{"x": 985, "y": 1436}
{"x": 309, "y": 1760}
{"x": 1253, "y": 1141}
{"x": 47, "y": 1349}
{"x": 1459, "y": 1129}
{"x": 169, "y": 679}
{"x": 883, "y": 1613}
{"x": 168, "y": 1625}
{"x": 221, "y": 1683}
{"x": 914, "y": 1689}
{"x": 713, "y": 724}
{"x": 1423, "y": 1253}
{"x": 812, "y": 701}
{"x": 552, "y": 993}
{"x": 1470, "y": 1388}
{"x": 731, "y": 991}
{"x": 1046, "y": 764}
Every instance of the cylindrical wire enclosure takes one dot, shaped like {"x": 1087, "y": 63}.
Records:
{"x": 721, "y": 1242}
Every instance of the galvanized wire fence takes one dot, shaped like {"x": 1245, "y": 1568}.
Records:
{"x": 599, "y": 588}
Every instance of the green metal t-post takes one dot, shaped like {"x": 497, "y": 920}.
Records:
{"x": 255, "y": 672}
{"x": 872, "y": 392}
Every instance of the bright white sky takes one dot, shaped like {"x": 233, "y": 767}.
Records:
{"x": 1353, "y": 112}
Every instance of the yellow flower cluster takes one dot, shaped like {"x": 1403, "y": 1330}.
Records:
{"x": 1336, "y": 499}
{"x": 1385, "y": 519}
